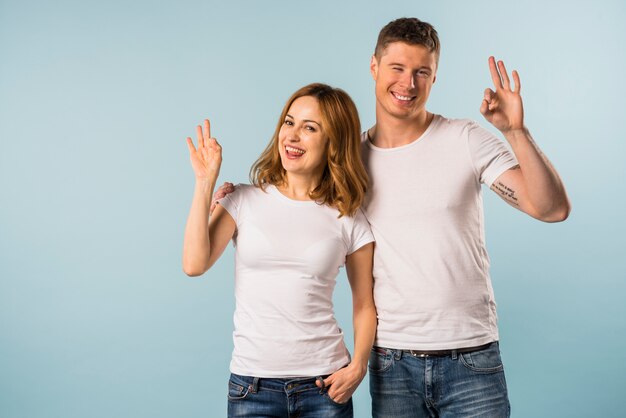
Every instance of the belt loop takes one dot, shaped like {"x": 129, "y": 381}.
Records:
{"x": 254, "y": 387}
{"x": 454, "y": 354}
{"x": 397, "y": 354}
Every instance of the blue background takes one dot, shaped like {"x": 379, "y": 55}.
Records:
{"x": 96, "y": 99}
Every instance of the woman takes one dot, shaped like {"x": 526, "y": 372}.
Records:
{"x": 293, "y": 228}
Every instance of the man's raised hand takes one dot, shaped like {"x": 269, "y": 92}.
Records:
{"x": 503, "y": 108}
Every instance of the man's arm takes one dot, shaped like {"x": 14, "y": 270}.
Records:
{"x": 534, "y": 186}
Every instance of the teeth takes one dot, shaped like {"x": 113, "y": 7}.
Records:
{"x": 407, "y": 98}
{"x": 294, "y": 150}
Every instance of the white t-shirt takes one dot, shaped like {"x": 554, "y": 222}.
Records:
{"x": 287, "y": 257}
{"x": 431, "y": 270}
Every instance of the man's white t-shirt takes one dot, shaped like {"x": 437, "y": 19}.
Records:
{"x": 287, "y": 257}
{"x": 431, "y": 270}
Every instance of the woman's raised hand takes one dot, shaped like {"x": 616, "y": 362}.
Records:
{"x": 207, "y": 158}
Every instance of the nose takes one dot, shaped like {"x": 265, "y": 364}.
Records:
{"x": 292, "y": 135}
{"x": 408, "y": 80}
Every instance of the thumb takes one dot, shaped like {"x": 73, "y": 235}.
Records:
{"x": 484, "y": 107}
{"x": 487, "y": 99}
{"x": 488, "y": 95}
{"x": 190, "y": 145}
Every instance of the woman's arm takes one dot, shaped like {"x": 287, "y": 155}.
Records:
{"x": 205, "y": 239}
{"x": 344, "y": 382}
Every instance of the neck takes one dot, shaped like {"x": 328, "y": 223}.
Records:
{"x": 299, "y": 187}
{"x": 391, "y": 132}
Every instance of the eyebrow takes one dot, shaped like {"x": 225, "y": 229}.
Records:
{"x": 423, "y": 67}
{"x": 307, "y": 120}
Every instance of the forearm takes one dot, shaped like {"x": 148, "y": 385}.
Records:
{"x": 364, "y": 322}
{"x": 543, "y": 187}
{"x": 196, "y": 247}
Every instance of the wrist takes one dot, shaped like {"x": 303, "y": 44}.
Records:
{"x": 208, "y": 179}
{"x": 205, "y": 185}
{"x": 517, "y": 134}
{"x": 359, "y": 367}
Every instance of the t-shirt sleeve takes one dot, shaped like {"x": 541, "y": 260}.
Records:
{"x": 490, "y": 155}
{"x": 232, "y": 202}
{"x": 361, "y": 233}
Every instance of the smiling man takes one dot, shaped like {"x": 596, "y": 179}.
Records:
{"x": 436, "y": 352}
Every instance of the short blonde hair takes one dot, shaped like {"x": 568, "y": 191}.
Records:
{"x": 409, "y": 30}
{"x": 344, "y": 180}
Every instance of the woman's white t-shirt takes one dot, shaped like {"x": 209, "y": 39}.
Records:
{"x": 287, "y": 257}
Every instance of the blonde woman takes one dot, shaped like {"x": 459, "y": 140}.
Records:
{"x": 293, "y": 228}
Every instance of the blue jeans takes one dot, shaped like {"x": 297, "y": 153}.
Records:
{"x": 298, "y": 397}
{"x": 459, "y": 385}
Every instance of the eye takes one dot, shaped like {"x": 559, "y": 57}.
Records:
{"x": 396, "y": 68}
{"x": 310, "y": 128}
{"x": 423, "y": 73}
{"x": 288, "y": 122}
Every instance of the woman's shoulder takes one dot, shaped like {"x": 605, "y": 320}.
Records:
{"x": 245, "y": 191}
{"x": 349, "y": 221}
{"x": 244, "y": 188}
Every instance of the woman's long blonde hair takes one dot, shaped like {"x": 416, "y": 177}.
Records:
{"x": 344, "y": 181}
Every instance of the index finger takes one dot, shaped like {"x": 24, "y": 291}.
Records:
{"x": 495, "y": 75}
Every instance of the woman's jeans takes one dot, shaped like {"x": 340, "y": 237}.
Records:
{"x": 464, "y": 385}
{"x": 298, "y": 397}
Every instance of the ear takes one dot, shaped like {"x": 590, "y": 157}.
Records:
{"x": 434, "y": 78}
{"x": 374, "y": 67}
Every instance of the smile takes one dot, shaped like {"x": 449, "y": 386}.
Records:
{"x": 403, "y": 98}
{"x": 293, "y": 152}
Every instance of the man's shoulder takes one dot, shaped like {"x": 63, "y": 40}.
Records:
{"x": 365, "y": 143}
{"x": 457, "y": 128}
{"x": 455, "y": 123}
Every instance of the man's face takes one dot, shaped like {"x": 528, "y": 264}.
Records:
{"x": 404, "y": 75}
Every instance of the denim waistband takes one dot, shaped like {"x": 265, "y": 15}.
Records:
{"x": 291, "y": 384}
{"x": 397, "y": 353}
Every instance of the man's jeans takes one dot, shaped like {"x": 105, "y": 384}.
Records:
{"x": 299, "y": 397}
{"x": 460, "y": 385}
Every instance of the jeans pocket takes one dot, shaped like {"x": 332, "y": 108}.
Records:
{"x": 325, "y": 394}
{"x": 380, "y": 360}
{"x": 237, "y": 391}
{"x": 483, "y": 361}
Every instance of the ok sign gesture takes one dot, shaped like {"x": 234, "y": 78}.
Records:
{"x": 207, "y": 158}
{"x": 503, "y": 108}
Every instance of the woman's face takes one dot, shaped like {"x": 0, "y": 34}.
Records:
{"x": 301, "y": 139}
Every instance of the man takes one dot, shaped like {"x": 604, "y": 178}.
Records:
{"x": 436, "y": 351}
